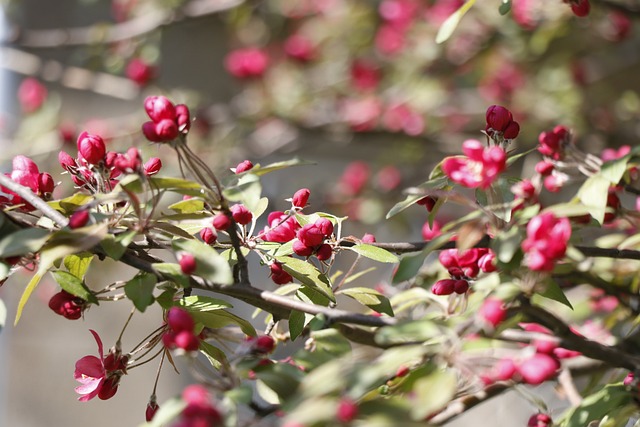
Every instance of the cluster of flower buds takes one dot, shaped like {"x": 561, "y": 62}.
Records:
{"x": 246, "y": 63}
{"x": 279, "y": 275}
{"x": 26, "y": 173}
{"x": 180, "y": 333}
{"x": 500, "y": 124}
{"x": 167, "y": 120}
{"x": 462, "y": 267}
{"x": 546, "y": 242}
{"x": 479, "y": 169}
{"x": 579, "y": 8}
{"x": 311, "y": 237}
{"x": 68, "y": 305}
{"x": 199, "y": 410}
{"x": 549, "y": 346}
{"x": 100, "y": 376}
{"x": 533, "y": 370}
{"x": 554, "y": 143}
{"x": 281, "y": 227}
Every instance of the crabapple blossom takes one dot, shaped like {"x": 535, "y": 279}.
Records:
{"x": 246, "y": 63}
{"x": 493, "y": 311}
{"x": 187, "y": 263}
{"x": 99, "y": 376}
{"x": 282, "y": 228}
{"x": 480, "y": 168}
{"x": 139, "y": 71}
{"x": 279, "y": 275}
{"x": 300, "y": 198}
{"x": 221, "y": 221}
{"x": 79, "y": 219}
{"x": 67, "y": 305}
{"x": 540, "y": 420}
{"x": 31, "y": 95}
{"x": 538, "y": 368}
{"x": 241, "y": 214}
{"x": 546, "y": 242}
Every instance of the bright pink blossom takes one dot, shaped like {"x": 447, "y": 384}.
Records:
{"x": 480, "y": 168}
{"x": 300, "y": 48}
{"x": 354, "y": 178}
{"x": 91, "y": 148}
{"x": 279, "y": 275}
{"x": 139, "y": 71}
{"x": 546, "y": 242}
{"x": 282, "y": 228}
{"x": 493, "y": 311}
{"x": 246, "y": 63}
{"x": 347, "y": 410}
{"x": 99, "y": 376}
{"x": 31, "y": 94}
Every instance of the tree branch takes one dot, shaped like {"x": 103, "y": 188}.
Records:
{"x": 30, "y": 197}
{"x": 135, "y": 27}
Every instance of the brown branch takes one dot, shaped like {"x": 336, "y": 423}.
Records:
{"x": 135, "y": 27}
{"x": 30, "y": 197}
{"x": 459, "y": 406}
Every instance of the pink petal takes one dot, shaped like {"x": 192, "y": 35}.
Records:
{"x": 89, "y": 366}
{"x": 99, "y": 341}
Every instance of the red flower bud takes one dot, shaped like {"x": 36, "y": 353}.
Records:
{"x": 300, "y": 198}
{"x": 498, "y": 118}
{"x": 159, "y": 108}
{"x": 152, "y": 166}
{"x": 512, "y": 130}
{"x": 324, "y": 252}
{"x": 188, "y": 263}
{"x": 243, "y": 166}
{"x": 460, "y": 286}
{"x": 45, "y": 185}
{"x": 183, "y": 118}
{"x": 311, "y": 235}
{"x": 325, "y": 226}
{"x": 66, "y": 161}
{"x": 209, "y": 235}
{"x": 166, "y": 129}
{"x": 443, "y": 287}
{"x": 78, "y": 219}
{"x": 179, "y": 320}
{"x": 91, "y": 148}
{"x": 152, "y": 408}
{"x": 492, "y": 311}
{"x": 428, "y": 202}
{"x": 580, "y": 8}
{"x": 301, "y": 249}
{"x": 347, "y": 410}
{"x": 221, "y": 221}
{"x": 538, "y": 369}
{"x": 187, "y": 341}
{"x": 109, "y": 387}
{"x": 139, "y": 71}
{"x": 540, "y": 420}
{"x": 264, "y": 344}
{"x": 149, "y": 131}
{"x": 368, "y": 238}
{"x": 241, "y": 214}
{"x": 67, "y": 305}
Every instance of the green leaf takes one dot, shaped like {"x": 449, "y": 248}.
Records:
{"x": 173, "y": 272}
{"x": 614, "y": 170}
{"x": 296, "y": 324}
{"x": 188, "y": 206}
{"x": 140, "y": 290}
{"x": 221, "y": 318}
{"x": 282, "y": 378}
{"x": 598, "y": 405}
{"x": 169, "y": 410}
{"x": 410, "y": 264}
{"x": 203, "y": 303}
{"x": 61, "y": 244}
{"x": 116, "y": 246}
{"x": 74, "y": 285}
{"x": 5, "y": 269}
{"x": 70, "y": 204}
{"x": 210, "y": 264}
{"x": 78, "y": 264}
{"x": 417, "y": 193}
{"x": 554, "y": 292}
{"x": 262, "y": 170}
{"x": 593, "y": 194}
{"x": 246, "y": 189}
{"x": 507, "y": 243}
{"x": 371, "y": 298}
{"x": 375, "y": 253}
{"x": 23, "y": 241}
{"x": 449, "y": 25}
{"x": 416, "y": 331}
{"x": 433, "y": 392}
{"x": 308, "y": 275}
{"x": 214, "y": 354}
{"x": 166, "y": 298}
{"x": 505, "y": 7}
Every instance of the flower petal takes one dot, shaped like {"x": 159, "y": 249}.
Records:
{"x": 89, "y": 366}
{"x": 99, "y": 342}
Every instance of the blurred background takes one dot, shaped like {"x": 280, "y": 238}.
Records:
{"x": 361, "y": 88}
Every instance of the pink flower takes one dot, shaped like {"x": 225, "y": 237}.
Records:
{"x": 428, "y": 232}
{"x": 347, "y": 410}
{"x": 139, "y": 71}
{"x": 188, "y": 263}
{"x": 538, "y": 368}
{"x": 609, "y": 154}
{"x": 241, "y": 214}
{"x": 300, "y": 48}
{"x": 67, "y": 305}
{"x": 31, "y": 95}
{"x": 152, "y": 166}
{"x": 99, "y": 376}
{"x": 500, "y": 123}
{"x": 479, "y": 169}
{"x": 554, "y": 143}
{"x": 493, "y": 311}
{"x": 91, "y": 148}
{"x": 199, "y": 410}
{"x": 546, "y": 242}
{"x": 246, "y": 63}
{"x": 365, "y": 75}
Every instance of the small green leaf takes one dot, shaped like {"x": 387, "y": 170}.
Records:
{"x": 166, "y": 298}
{"x": 410, "y": 264}
{"x": 614, "y": 170}
{"x": 203, "y": 303}
{"x": 593, "y": 194}
{"x": 371, "y": 298}
{"x": 296, "y": 324}
{"x": 308, "y": 275}
{"x": 262, "y": 170}
{"x": 282, "y": 378}
{"x": 505, "y": 7}
{"x": 449, "y": 25}
{"x": 188, "y": 206}
{"x": 78, "y": 264}
{"x": 214, "y": 354}
{"x": 116, "y": 245}
{"x": 172, "y": 272}
{"x": 554, "y": 292}
{"x": 70, "y": 204}
{"x": 74, "y": 285}
{"x": 598, "y": 405}
{"x": 244, "y": 188}
{"x": 417, "y": 193}
{"x": 433, "y": 392}
{"x": 416, "y": 331}
{"x": 210, "y": 264}
{"x": 23, "y": 241}
{"x": 221, "y": 318}
{"x": 375, "y": 253}
{"x": 140, "y": 290}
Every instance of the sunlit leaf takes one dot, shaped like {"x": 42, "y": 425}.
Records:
{"x": 74, "y": 285}
{"x": 203, "y": 303}
{"x": 375, "y": 253}
{"x": 371, "y": 298}
{"x": 78, "y": 264}
{"x": 433, "y": 392}
{"x": 210, "y": 264}
{"x": 451, "y": 23}
{"x": 308, "y": 275}
{"x": 140, "y": 290}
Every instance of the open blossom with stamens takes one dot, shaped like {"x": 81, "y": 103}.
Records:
{"x": 99, "y": 376}
{"x": 480, "y": 168}
{"x": 546, "y": 241}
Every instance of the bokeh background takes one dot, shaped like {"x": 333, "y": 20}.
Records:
{"x": 361, "y": 88}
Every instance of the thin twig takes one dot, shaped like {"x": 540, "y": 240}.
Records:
{"x": 30, "y": 197}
